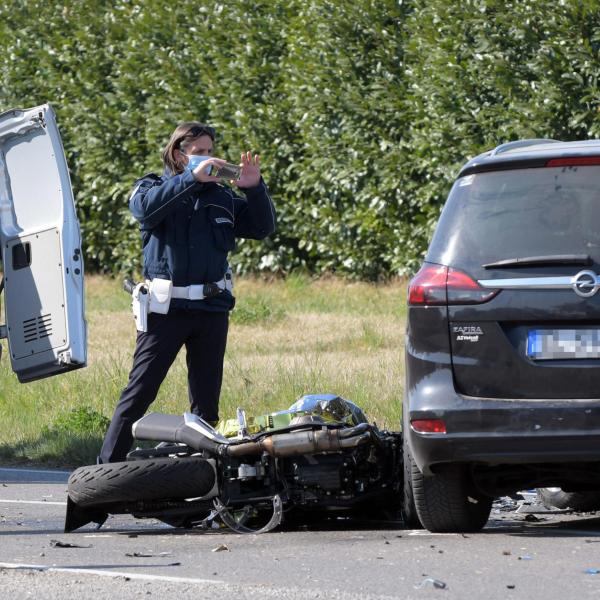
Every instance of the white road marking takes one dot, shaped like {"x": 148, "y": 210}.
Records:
{"x": 2, "y": 501}
{"x": 26, "y": 567}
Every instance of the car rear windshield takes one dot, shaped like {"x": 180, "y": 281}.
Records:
{"x": 519, "y": 213}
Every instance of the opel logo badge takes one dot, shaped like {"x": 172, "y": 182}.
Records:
{"x": 585, "y": 284}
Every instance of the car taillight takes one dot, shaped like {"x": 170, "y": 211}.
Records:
{"x": 579, "y": 161}
{"x": 428, "y": 286}
{"x": 428, "y": 426}
{"x": 438, "y": 285}
{"x": 463, "y": 289}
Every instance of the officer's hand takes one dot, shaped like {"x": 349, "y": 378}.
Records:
{"x": 200, "y": 172}
{"x": 250, "y": 176}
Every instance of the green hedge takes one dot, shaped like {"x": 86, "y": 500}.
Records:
{"x": 362, "y": 111}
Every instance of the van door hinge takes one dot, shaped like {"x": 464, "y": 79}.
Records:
{"x": 64, "y": 358}
{"x": 40, "y": 119}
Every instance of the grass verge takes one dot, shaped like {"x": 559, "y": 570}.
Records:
{"x": 287, "y": 338}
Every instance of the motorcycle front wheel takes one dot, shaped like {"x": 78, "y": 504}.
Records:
{"x": 149, "y": 479}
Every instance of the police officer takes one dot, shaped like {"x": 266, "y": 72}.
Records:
{"x": 188, "y": 222}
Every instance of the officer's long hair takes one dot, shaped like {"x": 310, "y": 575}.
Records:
{"x": 183, "y": 132}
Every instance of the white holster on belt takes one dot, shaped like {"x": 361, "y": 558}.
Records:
{"x": 140, "y": 301}
{"x": 150, "y": 297}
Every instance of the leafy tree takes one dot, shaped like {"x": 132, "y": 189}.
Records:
{"x": 363, "y": 112}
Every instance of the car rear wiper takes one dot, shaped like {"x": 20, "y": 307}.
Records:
{"x": 532, "y": 261}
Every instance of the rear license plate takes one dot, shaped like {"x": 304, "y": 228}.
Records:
{"x": 561, "y": 344}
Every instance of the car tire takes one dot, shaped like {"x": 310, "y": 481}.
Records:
{"x": 579, "y": 501}
{"x": 409, "y": 509}
{"x": 447, "y": 503}
{"x": 150, "y": 479}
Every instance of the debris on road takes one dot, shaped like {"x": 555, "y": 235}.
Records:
{"x": 531, "y": 518}
{"x": 431, "y": 582}
{"x": 592, "y": 571}
{"x": 147, "y": 554}
{"x": 59, "y": 544}
{"x": 221, "y": 548}
{"x": 525, "y": 502}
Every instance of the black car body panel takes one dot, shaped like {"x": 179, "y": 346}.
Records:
{"x": 533, "y": 153}
{"x": 513, "y": 377}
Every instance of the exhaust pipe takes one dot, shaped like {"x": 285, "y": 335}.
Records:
{"x": 191, "y": 430}
{"x": 199, "y": 435}
{"x": 300, "y": 442}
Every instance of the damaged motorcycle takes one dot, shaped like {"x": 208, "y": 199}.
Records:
{"x": 318, "y": 458}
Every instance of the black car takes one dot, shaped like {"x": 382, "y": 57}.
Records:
{"x": 503, "y": 338}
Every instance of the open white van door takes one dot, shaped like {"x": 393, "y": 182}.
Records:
{"x": 41, "y": 248}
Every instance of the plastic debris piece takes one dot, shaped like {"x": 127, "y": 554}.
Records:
{"x": 506, "y": 552}
{"x": 146, "y": 554}
{"x": 59, "y": 544}
{"x": 511, "y": 586}
{"x": 505, "y": 504}
{"x": 472, "y": 500}
{"x": 221, "y": 548}
{"x": 532, "y": 518}
{"x": 592, "y": 571}
{"x": 431, "y": 582}
{"x": 525, "y": 557}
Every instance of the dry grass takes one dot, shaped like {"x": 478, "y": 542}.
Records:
{"x": 287, "y": 338}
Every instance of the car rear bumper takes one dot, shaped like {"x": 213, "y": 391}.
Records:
{"x": 508, "y": 448}
{"x": 495, "y": 431}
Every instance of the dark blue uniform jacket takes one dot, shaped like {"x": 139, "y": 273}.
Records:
{"x": 188, "y": 228}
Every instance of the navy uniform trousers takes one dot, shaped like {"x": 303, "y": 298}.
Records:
{"x": 204, "y": 335}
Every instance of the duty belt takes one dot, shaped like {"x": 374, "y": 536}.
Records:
{"x": 203, "y": 290}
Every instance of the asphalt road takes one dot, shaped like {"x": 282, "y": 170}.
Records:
{"x": 511, "y": 558}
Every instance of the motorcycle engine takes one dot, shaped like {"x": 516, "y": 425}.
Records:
{"x": 345, "y": 478}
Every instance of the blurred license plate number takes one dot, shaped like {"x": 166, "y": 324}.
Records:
{"x": 563, "y": 344}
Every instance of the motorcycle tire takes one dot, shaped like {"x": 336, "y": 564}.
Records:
{"x": 151, "y": 479}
